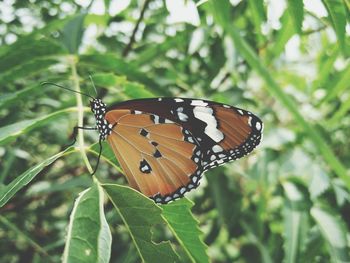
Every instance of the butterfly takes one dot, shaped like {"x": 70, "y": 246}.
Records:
{"x": 164, "y": 145}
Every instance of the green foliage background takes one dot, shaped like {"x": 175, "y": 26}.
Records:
{"x": 289, "y": 201}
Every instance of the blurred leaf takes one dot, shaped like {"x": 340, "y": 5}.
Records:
{"x": 100, "y": 20}
{"x": 110, "y": 62}
{"x": 10, "y": 98}
{"x": 340, "y": 192}
{"x": 295, "y": 221}
{"x": 72, "y": 33}
{"x": 319, "y": 183}
{"x": 296, "y": 10}
{"x": 254, "y": 239}
{"x": 25, "y": 236}
{"x": 227, "y": 201}
{"x": 10, "y": 132}
{"x": 25, "y": 51}
{"x": 12, "y": 188}
{"x": 282, "y": 37}
{"x": 334, "y": 232}
{"x": 185, "y": 227}
{"x": 312, "y": 247}
{"x": 89, "y": 238}
{"x": 326, "y": 69}
{"x": 137, "y": 91}
{"x": 340, "y": 86}
{"x": 27, "y": 69}
{"x": 140, "y": 214}
{"x": 258, "y": 16}
{"x": 337, "y": 15}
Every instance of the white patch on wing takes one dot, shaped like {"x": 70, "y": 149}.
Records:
{"x": 182, "y": 116}
{"x": 250, "y": 121}
{"x": 178, "y": 100}
{"x": 205, "y": 114}
{"x": 217, "y": 148}
{"x": 198, "y": 103}
{"x": 258, "y": 126}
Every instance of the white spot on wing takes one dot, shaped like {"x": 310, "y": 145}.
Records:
{"x": 240, "y": 112}
{"x": 178, "y": 100}
{"x": 217, "y": 148}
{"x": 198, "y": 103}
{"x": 258, "y": 126}
{"x": 206, "y": 115}
{"x": 182, "y": 116}
{"x": 250, "y": 121}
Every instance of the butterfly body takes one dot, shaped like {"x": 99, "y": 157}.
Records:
{"x": 165, "y": 144}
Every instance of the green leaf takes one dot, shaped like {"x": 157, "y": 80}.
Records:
{"x": 185, "y": 228}
{"x": 295, "y": 221}
{"x": 253, "y": 60}
{"x": 27, "y": 69}
{"x": 337, "y": 15}
{"x": 12, "y": 188}
{"x": 296, "y": 10}
{"x": 334, "y": 232}
{"x": 139, "y": 215}
{"x": 89, "y": 238}
{"x": 282, "y": 37}
{"x": 107, "y": 154}
{"x": 72, "y": 33}
{"x": 111, "y": 63}
{"x": 257, "y": 9}
{"x": 10, "y": 132}
{"x": 340, "y": 86}
{"x": 132, "y": 89}
{"x": 25, "y": 51}
{"x": 135, "y": 90}
{"x": 10, "y": 98}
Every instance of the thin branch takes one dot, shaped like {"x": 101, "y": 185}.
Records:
{"x": 127, "y": 49}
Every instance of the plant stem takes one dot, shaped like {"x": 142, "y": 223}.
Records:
{"x": 75, "y": 78}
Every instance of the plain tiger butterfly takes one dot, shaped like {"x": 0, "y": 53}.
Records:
{"x": 164, "y": 145}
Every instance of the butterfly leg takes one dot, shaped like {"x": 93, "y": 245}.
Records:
{"x": 99, "y": 156}
{"x": 75, "y": 134}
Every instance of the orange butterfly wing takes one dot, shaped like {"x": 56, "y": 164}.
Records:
{"x": 160, "y": 158}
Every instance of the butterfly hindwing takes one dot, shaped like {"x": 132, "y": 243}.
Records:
{"x": 160, "y": 157}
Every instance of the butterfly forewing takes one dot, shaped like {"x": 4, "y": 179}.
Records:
{"x": 160, "y": 158}
{"x": 223, "y": 132}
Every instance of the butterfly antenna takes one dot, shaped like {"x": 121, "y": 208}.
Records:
{"x": 54, "y": 84}
{"x": 93, "y": 84}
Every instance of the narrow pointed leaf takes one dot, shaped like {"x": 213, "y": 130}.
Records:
{"x": 337, "y": 15}
{"x": 89, "y": 237}
{"x": 296, "y": 10}
{"x": 295, "y": 219}
{"x": 72, "y": 33}
{"x": 185, "y": 228}
{"x": 12, "y": 188}
{"x": 334, "y": 232}
{"x": 10, "y": 132}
